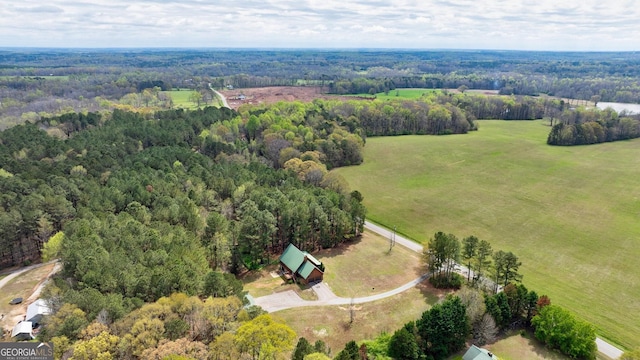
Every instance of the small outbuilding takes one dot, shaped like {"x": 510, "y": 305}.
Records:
{"x": 476, "y": 353}
{"x": 300, "y": 265}
{"x": 23, "y": 331}
{"x": 36, "y": 311}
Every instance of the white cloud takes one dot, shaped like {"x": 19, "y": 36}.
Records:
{"x": 494, "y": 24}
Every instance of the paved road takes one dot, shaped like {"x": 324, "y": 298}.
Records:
{"x": 603, "y": 346}
{"x": 289, "y": 299}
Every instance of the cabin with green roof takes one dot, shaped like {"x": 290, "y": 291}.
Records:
{"x": 300, "y": 266}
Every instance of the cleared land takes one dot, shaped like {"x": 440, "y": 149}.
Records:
{"x": 274, "y": 94}
{"x": 22, "y": 286}
{"x": 362, "y": 268}
{"x": 569, "y": 213}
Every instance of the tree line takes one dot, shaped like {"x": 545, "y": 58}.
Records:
{"x": 582, "y": 126}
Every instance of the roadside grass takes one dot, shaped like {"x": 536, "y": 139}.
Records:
{"x": 569, "y": 213}
{"x": 21, "y": 286}
{"x": 331, "y": 323}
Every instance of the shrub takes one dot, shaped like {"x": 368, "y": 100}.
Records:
{"x": 447, "y": 282}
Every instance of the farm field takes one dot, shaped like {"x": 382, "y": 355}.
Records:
{"x": 181, "y": 98}
{"x": 413, "y": 93}
{"x": 569, "y": 213}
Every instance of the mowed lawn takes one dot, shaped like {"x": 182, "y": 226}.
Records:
{"x": 368, "y": 267}
{"x": 360, "y": 268}
{"x": 331, "y": 323}
{"x": 572, "y": 214}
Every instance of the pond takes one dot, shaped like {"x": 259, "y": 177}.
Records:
{"x": 632, "y": 108}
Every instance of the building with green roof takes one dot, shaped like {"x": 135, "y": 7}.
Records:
{"x": 300, "y": 265}
{"x": 476, "y": 353}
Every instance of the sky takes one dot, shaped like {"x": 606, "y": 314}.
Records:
{"x": 585, "y": 25}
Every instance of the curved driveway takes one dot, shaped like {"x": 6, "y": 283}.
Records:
{"x": 289, "y": 299}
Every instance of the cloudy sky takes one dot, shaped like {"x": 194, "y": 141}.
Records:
{"x": 421, "y": 24}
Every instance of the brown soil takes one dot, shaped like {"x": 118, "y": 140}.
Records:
{"x": 273, "y": 94}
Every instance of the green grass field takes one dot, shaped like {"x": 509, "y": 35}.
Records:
{"x": 570, "y": 213}
{"x": 181, "y": 98}
{"x": 400, "y": 94}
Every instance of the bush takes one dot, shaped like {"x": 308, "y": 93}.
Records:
{"x": 447, "y": 282}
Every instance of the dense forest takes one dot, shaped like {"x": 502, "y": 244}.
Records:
{"x": 38, "y": 83}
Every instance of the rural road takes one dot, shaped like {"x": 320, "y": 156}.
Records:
{"x": 603, "y": 346}
{"x": 221, "y": 97}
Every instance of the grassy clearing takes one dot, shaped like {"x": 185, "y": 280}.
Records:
{"x": 181, "y": 98}
{"x": 364, "y": 267}
{"x": 368, "y": 267}
{"x": 331, "y": 323}
{"x": 569, "y": 213}
{"x": 400, "y": 94}
{"x": 517, "y": 347}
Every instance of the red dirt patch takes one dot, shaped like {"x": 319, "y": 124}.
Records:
{"x": 273, "y": 94}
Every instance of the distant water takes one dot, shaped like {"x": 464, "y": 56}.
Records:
{"x": 632, "y": 108}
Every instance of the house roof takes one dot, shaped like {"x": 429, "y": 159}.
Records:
{"x": 23, "y": 327}
{"x": 476, "y": 353}
{"x": 310, "y": 257}
{"x": 306, "y": 269}
{"x": 38, "y": 307}
{"x": 292, "y": 257}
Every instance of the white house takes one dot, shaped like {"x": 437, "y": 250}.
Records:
{"x": 23, "y": 331}
{"x": 36, "y": 311}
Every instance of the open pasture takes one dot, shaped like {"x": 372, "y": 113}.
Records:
{"x": 571, "y": 214}
{"x": 412, "y": 93}
{"x": 181, "y": 98}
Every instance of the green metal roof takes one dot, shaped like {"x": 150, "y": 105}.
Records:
{"x": 306, "y": 269}
{"x": 292, "y": 257}
{"x": 476, "y": 353}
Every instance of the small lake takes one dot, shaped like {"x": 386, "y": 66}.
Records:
{"x": 633, "y": 108}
